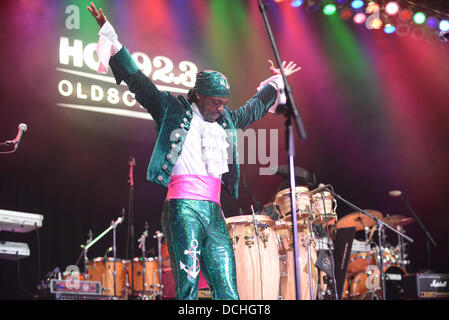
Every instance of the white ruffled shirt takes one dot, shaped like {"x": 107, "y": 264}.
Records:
{"x": 205, "y": 148}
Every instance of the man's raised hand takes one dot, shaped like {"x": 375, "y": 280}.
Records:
{"x": 288, "y": 70}
{"x": 98, "y": 15}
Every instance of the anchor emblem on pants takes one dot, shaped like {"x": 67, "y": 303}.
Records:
{"x": 193, "y": 271}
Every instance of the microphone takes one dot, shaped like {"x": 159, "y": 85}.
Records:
{"x": 444, "y": 36}
{"x": 321, "y": 187}
{"x": 395, "y": 193}
{"x": 22, "y": 128}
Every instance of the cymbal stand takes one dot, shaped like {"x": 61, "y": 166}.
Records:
{"x": 159, "y": 235}
{"x": 142, "y": 247}
{"x": 429, "y": 239}
{"x": 114, "y": 250}
{"x": 402, "y": 251}
{"x": 112, "y": 226}
{"x": 380, "y": 226}
{"x": 130, "y": 236}
{"x": 84, "y": 254}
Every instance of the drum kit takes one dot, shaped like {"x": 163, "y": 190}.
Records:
{"x": 263, "y": 247}
{"x": 120, "y": 279}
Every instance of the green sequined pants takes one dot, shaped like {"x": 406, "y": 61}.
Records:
{"x": 197, "y": 237}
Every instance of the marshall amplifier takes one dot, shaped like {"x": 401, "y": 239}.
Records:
{"x": 426, "y": 286}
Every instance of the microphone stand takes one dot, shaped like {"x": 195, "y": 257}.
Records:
{"x": 159, "y": 235}
{"x": 290, "y": 110}
{"x": 132, "y": 163}
{"x": 380, "y": 226}
{"x": 142, "y": 247}
{"x": 404, "y": 197}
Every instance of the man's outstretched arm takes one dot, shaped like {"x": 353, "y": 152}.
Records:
{"x": 269, "y": 95}
{"x": 124, "y": 68}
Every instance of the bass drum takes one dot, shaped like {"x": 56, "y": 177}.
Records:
{"x": 368, "y": 285}
{"x": 256, "y": 257}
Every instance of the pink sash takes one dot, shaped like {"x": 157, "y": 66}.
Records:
{"x": 194, "y": 187}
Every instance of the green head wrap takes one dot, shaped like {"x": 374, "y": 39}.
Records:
{"x": 212, "y": 83}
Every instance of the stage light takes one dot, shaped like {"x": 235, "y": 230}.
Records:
{"x": 376, "y": 23}
{"x": 419, "y": 18}
{"x": 432, "y": 22}
{"x": 392, "y": 8}
{"x": 357, "y": 4}
{"x": 405, "y": 15}
{"x": 312, "y": 5}
{"x": 297, "y": 3}
{"x": 444, "y": 25}
{"x": 359, "y": 18}
{"x": 346, "y": 14}
{"x": 372, "y": 7}
{"x": 389, "y": 28}
{"x": 329, "y": 9}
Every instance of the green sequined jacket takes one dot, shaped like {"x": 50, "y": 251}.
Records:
{"x": 172, "y": 116}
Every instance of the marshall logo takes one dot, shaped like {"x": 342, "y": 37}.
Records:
{"x": 438, "y": 284}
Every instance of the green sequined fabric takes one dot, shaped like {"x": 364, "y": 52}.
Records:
{"x": 197, "y": 238}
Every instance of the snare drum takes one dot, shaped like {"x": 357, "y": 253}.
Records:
{"x": 151, "y": 281}
{"x": 324, "y": 212}
{"x": 358, "y": 262}
{"x": 303, "y": 203}
{"x": 256, "y": 257}
{"x": 102, "y": 270}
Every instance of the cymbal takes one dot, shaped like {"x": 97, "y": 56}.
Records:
{"x": 397, "y": 220}
{"x": 359, "y": 220}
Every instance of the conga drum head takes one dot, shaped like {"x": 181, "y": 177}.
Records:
{"x": 303, "y": 203}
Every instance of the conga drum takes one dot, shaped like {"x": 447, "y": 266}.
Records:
{"x": 324, "y": 208}
{"x": 303, "y": 203}
{"x": 287, "y": 266}
{"x": 256, "y": 256}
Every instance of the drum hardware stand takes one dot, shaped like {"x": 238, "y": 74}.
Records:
{"x": 380, "y": 226}
{"x": 309, "y": 258}
{"x": 258, "y": 250}
{"x": 114, "y": 250}
{"x": 290, "y": 111}
{"x": 402, "y": 253}
{"x": 90, "y": 243}
{"x": 404, "y": 198}
{"x": 130, "y": 237}
{"x": 84, "y": 253}
{"x": 159, "y": 235}
{"x": 142, "y": 247}
{"x": 334, "y": 281}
